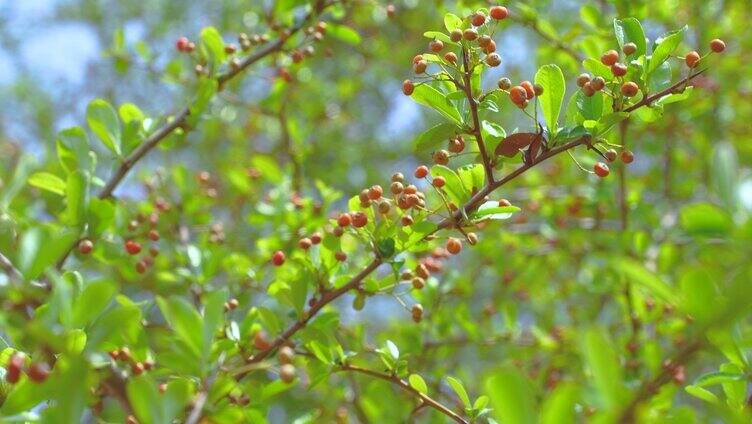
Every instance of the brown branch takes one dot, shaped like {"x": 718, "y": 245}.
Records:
{"x": 7, "y": 266}
{"x": 326, "y": 298}
{"x": 675, "y": 88}
{"x": 404, "y": 385}
{"x": 623, "y": 207}
{"x": 477, "y": 131}
{"x": 649, "y": 388}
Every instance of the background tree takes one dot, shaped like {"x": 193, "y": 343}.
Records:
{"x": 189, "y": 248}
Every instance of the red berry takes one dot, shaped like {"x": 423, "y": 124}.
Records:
{"x": 436, "y": 46}
{"x": 470, "y": 34}
{"x": 629, "y": 89}
{"x": 627, "y": 156}
{"x": 340, "y": 256}
{"x": 421, "y": 171}
{"x": 124, "y": 354}
{"x": 13, "y": 370}
{"x": 315, "y": 238}
{"x": 407, "y": 220}
{"x": 149, "y": 363}
{"x": 479, "y": 19}
{"x": 359, "y": 219}
{"x": 454, "y": 246}
{"x": 420, "y": 67}
{"x": 141, "y": 267}
{"x": 438, "y": 182}
{"x": 230, "y": 49}
{"x": 344, "y": 220}
{"x": 504, "y": 203}
{"x": 582, "y": 80}
{"x": 718, "y": 45}
{"x": 162, "y": 387}
{"x": 619, "y": 70}
{"x": 601, "y": 169}
{"x": 375, "y": 192}
{"x": 499, "y": 12}
{"x": 182, "y": 44}
{"x": 260, "y": 341}
{"x": 305, "y": 243}
{"x": 278, "y": 258}
{"x": 692, "y": 59}
{"x": 518, "y": 94}
{"x": 610, "y": 155}
{"x": 137, "y": 368}
{"x": 154, "y": 252}
{"x": 493, "y": 60}
{"x": 38, "y": 372}
{"x": 455, "y": 35}
{"x": 408, "y": 87}
{"x": 529, "y": 89}
{"x": 629, "y": 48}
{"x": 451, "y": 57}
{"x": 610, "y": 57}
{"x": 153, "y": 235}
{"x": 132, "y": 247}
{"x": 85, "y": 246}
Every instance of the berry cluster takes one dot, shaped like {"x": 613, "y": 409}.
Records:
{"x": 36, "y": 371}
{"x": 136, "y": 367}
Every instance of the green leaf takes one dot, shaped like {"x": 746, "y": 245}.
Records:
{"x": 145, "y": 399}
{"x": 454, "y": 187}
{"x": 604, "y": 366}
{"x": 435, "y": 136}
{"x": 552, "y": 79}
{"x": 76, "y": 195}
{"x": 92, "y": 302}
{"x": 436, "y": 35}
{"x": 473, "y": 177}
{"x": 703, "y": 394}
{"x": 452, "y": 22}
{"x": 73, "y": 149}
{"x": 104, "y": 123}
{"x": 717, "y": 377}
{"x": 211, "y": 39}
{"x": 47, "y": 181}
{"x": 597, "y": 68}
{"x": 393, "y": 349}
{"x": 185, "y": 320}
{"x": 629, "y": 30}
{"x": 559, "y": 406}
{"x": 705, "y": 219}
{"x": 664, "y": 47}
{"x": 40, "y": 248}
{"x": 344, "y": 34}
{"x": 590, "y": 107}
{"x": 512, "y": 397}
{"x": 492, "y": 210}
{"x": 417, "y": 383}
{"x": 635, "y": 272}
{"x": 429, "y": 96}
{"x": 460, "y": 390}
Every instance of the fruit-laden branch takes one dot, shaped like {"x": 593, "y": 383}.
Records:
{"x": 180, "y": 119}
{"x": 404, "y": 385}
{"x": 477, "y": 131}
{"x": 452, "y": 221}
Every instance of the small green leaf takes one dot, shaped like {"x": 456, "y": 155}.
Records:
{"x": 604, "y": 366}
{"x": 104, "y": 123}
{"x": 393, "y": 349}
{"x": 211, "y": 39}
{"x": 452, "y": 22}
{"x": 664, "y": 47}
{"x": 47, "y": 181}
{"x": 460, "y": 390}
{"x": 703, "y": 394}
{"x": 551, "y": 78}
{"x": 705, "y": 219}
{"x": 453, "y": 187}
{"x": 629, "y": 30}
{"x": 417, "y": 383}
{"x": 436, "y": 35}
{"x": 431, "y": 97}
{"x": 435, "y": 136}
{"x": 344, "y": 34}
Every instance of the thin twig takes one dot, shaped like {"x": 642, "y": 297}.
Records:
{"x": 404, "y": 385}
{"x": 477, "y": 131}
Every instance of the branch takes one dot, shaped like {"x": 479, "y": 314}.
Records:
{"x": 326, "y": 298}
{"x": 7, "y": 266}
{"x": 404, "y": 385}
{"x": 468, "y": 88}
{"x": 677, "y": 87}
{"x": 649, "y": 388}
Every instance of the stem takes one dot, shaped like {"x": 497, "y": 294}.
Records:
{"x": 404, "y": 385}
{"x": 468, "y": 88}
{"x": 623, "y": 207}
